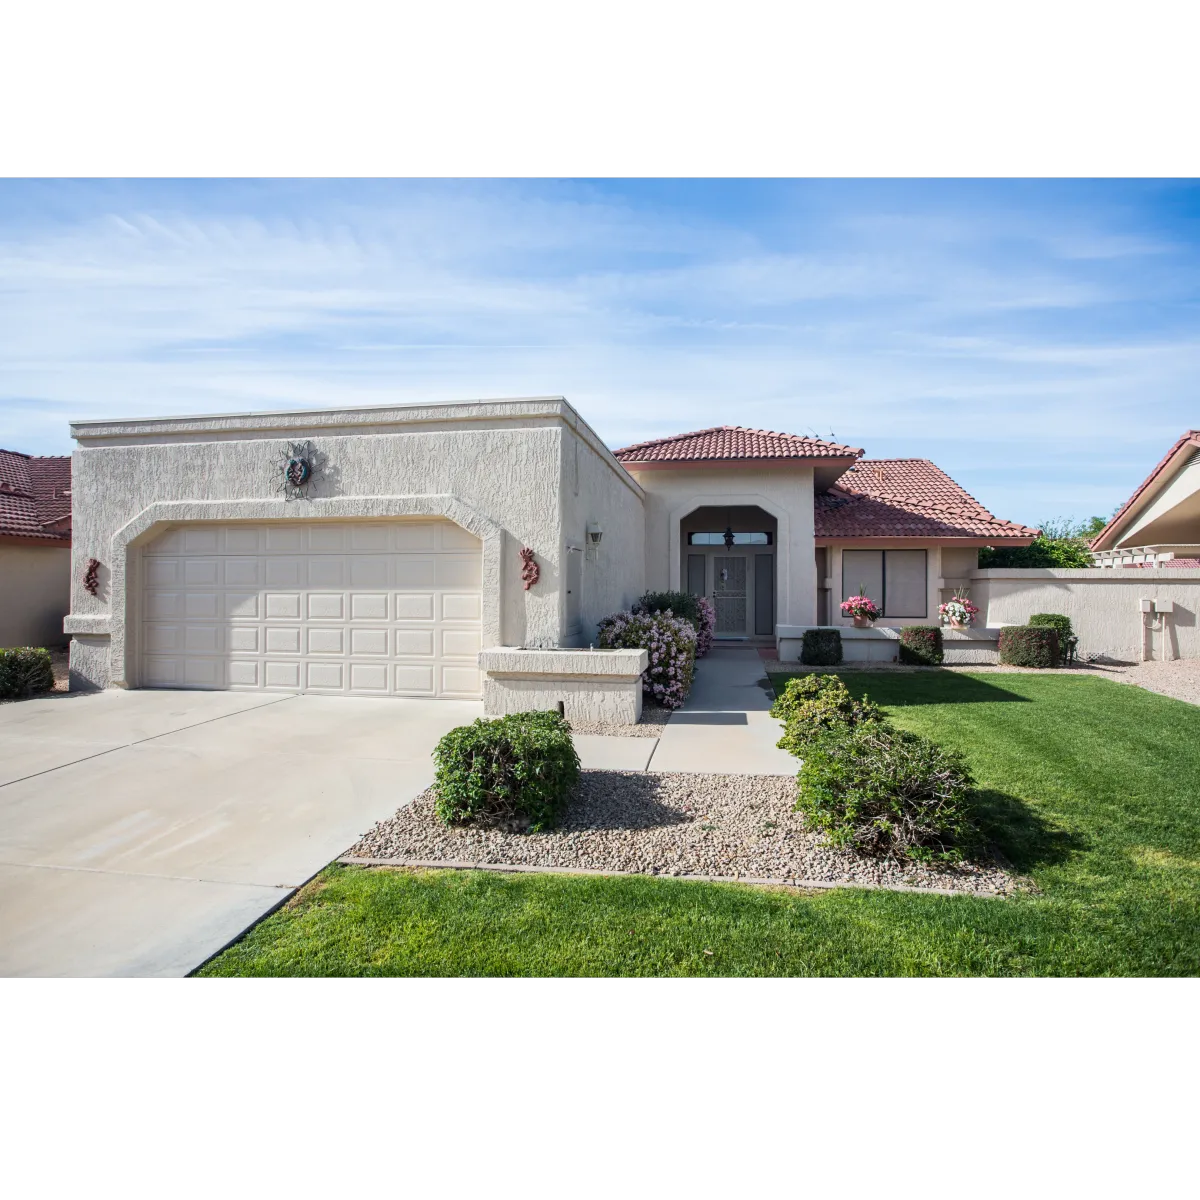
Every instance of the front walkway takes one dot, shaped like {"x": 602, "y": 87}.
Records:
{"x": 725, "y": 726}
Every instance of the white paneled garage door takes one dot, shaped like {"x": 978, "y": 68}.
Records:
{"x": 358, "y": 608}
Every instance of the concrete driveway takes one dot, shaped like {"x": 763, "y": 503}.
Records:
{"x": 141, "y": 831}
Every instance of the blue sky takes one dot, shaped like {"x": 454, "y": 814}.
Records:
{"x": 1038, "y": 340}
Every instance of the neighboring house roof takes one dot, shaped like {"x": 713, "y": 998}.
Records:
{"x": 1187, "y": 564}
{"x": 725, "y": 442}
{"x": 1190, "y": 441}
{"x": 35, "y": 497}
{"x": 907, "y": 497}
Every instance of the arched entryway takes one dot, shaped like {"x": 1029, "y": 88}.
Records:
{"x": 729, "y": 554}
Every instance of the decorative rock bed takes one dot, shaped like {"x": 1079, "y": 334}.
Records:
{"x": 716, "y": 826}
{"x": 651, "y": 724}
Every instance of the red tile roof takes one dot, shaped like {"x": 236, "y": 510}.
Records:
{"x": 906, "y": 497}
{"x": 1191, "y": 439}
{"x": 35, "y": 496}
{"x": 732, "y": 442}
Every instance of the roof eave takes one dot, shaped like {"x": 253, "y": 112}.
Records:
{"x": 667, "y": 464}
{"x": 1107, "y": 538}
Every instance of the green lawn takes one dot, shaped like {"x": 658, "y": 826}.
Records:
{"x": 1091, "y": 788}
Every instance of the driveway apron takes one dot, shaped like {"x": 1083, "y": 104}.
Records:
{"x": 141, "y": 831}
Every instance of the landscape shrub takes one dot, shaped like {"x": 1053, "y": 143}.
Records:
{"x": 821, "y": 647}
{"x": 707, "y": 632}
{"x": 519, "y": 767}
{"x": 1053, "y": 621}
{"x": 879, "y": 790}
{"x": 921, "y": 645}
{"x": 1028, "y": 646}
{"x": 814, "y": 705}
{"x": 671, "y": 644}
{"x": 23, "y": 671}
{"x": 696, "y": 609}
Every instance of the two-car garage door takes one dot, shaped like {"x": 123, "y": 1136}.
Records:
{"x": 359, "y": 608}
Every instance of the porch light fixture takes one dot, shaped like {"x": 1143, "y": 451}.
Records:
{"x": 728, "y": 537}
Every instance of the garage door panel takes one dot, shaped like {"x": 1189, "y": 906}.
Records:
{"x": 414, "y": 606}
{"x": 369, "y": 677}
{"x": 325, "y": 676}
{"x": 283, "y": 606}
{"x": 412, "y": 680}
{"x": 201, "y": 604}
{"x": 460, "y": 606}
{"x": 282, "y": 639}
{"x": 244, "y": 672}
{"x": 368, "y": 606}
{"x": 325, "y": 641}
{"x": 326, "y": 571}
{"x": 243, "y": 571}
{"x": 459, "y": 571}
{"x": 368, "y": 641}
{"x": 345, "y": 608}
{"x": 245, "y": 639}
{"x": 326, "y": 606}
{"x": 242, "y": 604}
{"x": 460, "y": 680}
{"x": 414, "y": 536}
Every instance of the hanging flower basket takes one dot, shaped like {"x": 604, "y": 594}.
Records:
{"x": 863, "y": 609}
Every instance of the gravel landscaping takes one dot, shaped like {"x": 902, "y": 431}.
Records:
{"x": 723, "y": 826}
{"x": 653, "y": 719}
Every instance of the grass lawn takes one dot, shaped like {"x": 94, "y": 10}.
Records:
{"x": 1091, "y": 788}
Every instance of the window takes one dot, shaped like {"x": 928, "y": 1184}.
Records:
{"x": 739, "y": 539}
{"x": 895, "y": 579}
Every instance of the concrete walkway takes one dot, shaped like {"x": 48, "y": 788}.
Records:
{"x": 725, "y": 726}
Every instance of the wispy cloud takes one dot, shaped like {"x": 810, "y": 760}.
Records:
{"x": 1041, "y": 342}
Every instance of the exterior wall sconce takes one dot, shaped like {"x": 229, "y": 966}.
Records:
{"x": 594, "y": 534}
{"x": 728, "y": 537}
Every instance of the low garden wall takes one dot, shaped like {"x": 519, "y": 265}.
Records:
{"x": 593, "y": 685}
{"x": 1104, "y": 604}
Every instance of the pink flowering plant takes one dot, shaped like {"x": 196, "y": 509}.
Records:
{"x": 861, "y": 606}
{"x": 958, "y": 611}
{"x": 670, "y": 642}
{"x": 708, "y": 626}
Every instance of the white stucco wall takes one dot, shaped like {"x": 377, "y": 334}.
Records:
{"x": 1103, "y": 605}
{"x": 35, "y": 591}
{"x": 496, "y": 467}
{"x": 597, "y": 489}
{"x": 785, "y": 492}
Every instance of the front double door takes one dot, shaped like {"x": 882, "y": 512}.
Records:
{"x": 741, "y": 588}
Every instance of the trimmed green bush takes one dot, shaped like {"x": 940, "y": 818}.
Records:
{"x": 821, "y": 647}
{"x": 23, "y": 671}
{"x": 679, "y": 604}
{"x": 1053, "y": 621}
{"x": 1028, "y": 646}
{"x": 921, "y": 645}
{"x": 814, "y": 705}
{"x": 879, "y": 790}
{"x": 522, "y": 767}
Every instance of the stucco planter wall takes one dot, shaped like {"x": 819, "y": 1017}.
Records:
{"x": 593, "y": 685}
{"x": 882, "y": 644}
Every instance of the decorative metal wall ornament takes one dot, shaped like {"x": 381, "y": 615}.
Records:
{"x": 91, "y": 577}
{"x": 530, "y": 571}
{"x": 300, "y": 465}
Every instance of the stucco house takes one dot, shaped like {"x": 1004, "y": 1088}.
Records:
{"x": 35, "y": 548}
{"x": 1159, "y": 525}
{"x": 462, "y": 550}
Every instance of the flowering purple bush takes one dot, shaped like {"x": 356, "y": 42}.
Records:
{"x": 671, "y": 643}
{"x": 708, "y": 626}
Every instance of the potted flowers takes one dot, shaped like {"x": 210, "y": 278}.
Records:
{"x": 863, "y": 609}
{"x": 958, "y": 612}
